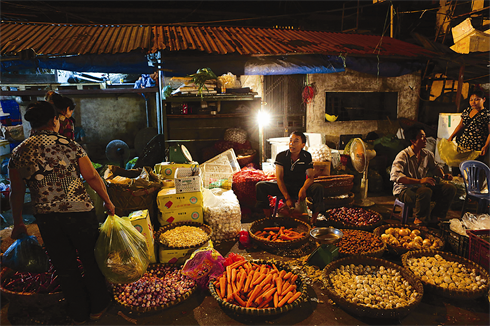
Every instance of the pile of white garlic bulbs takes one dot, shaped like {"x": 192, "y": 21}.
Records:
{"x": 320, "y": 153}
{"x": 223, "y": 214}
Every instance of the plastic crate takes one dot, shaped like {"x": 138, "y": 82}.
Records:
{"x": 479, "y": 248}
{"x": 227, "y": 156}
{"x": 458, "y": 243}
{"x": 215, "y": 172}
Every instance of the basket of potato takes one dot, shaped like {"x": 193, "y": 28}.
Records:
{"x": 400, "y": 238}
{"x": 446, "y": 274}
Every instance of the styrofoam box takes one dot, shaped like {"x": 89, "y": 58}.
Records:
{"x": 447, "y": 123}
{"x": 277, "y": 148}
{"x": 314, "y": 139}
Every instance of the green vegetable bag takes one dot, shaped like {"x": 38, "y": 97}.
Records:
{"x": 121, "y": 251}
{"x": 452, "y": 155}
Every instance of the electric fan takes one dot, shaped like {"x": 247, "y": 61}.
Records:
{"x": 117, "y": 151}
{"x": 360, "y": 157}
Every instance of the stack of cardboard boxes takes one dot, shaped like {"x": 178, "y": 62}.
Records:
{"x": 179, "y": 201}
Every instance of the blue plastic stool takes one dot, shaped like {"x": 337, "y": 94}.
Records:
{"x": 406, "y": 211}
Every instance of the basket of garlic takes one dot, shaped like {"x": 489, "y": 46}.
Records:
{"x": 372, "y": 287}
{"x": 447, "y": 274}
{"x": 399, "y": 238}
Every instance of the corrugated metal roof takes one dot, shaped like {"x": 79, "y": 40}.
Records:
{"x": 263, "y": 41}
{"x": 64, "y": 39}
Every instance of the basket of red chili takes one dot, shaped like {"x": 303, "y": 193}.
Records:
{"x": 30, "y": 288}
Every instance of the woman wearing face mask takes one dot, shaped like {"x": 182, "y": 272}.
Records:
{"x": 474, "y": 126}
{"x": 65, "y": 107}
{"x": 50, "y": 165}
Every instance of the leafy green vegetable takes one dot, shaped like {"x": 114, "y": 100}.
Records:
{"x": 201, "y": 76}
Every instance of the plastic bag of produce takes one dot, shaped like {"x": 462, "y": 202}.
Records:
{"x": 121, "y": 251}
{"x": 244, "y": 182}
{"x": 204, "y": 265}
{"x": 222, "y": 212}
{"x": 320, "y": 153}
{"x": 26, "y": 255}
{"x": 452, "y": 155}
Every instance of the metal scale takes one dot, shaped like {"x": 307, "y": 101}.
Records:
{"x": 327, "y": 251}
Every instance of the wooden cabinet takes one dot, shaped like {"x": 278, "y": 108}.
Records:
{"x": 198, "y": 123}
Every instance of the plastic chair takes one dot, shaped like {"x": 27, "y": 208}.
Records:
{"x": 406, "y": 211}
{"x": 475, "y": 173}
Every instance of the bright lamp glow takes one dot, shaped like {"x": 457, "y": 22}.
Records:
{"x": 263, "y": 118}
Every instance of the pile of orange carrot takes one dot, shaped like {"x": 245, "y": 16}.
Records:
{"x": 279, "y": 234}
{"x": 257, "y": 286}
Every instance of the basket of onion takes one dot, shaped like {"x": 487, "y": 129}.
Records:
{"x": 401, "y": 238}
{"x": 162, "y": 286}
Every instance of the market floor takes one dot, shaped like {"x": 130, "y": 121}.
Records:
{"x": 202, "y": 309}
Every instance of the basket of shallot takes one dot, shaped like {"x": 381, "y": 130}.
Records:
{"x": 354, "y": 218}
{"x": 162, "y": 286}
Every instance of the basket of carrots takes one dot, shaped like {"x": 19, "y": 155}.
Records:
{"x": 280, "y": 232}
{"x": 258, "y": 287}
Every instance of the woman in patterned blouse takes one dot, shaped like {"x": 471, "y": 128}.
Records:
{"x": 475, "y": 126}
{"x": 50, "y": 165}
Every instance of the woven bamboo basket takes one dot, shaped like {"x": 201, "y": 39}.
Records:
{"x": 373, "y": 253}
{"x": 341, "y": 225}
{"x": 438, "y": 290}
{"x": 363, "y": 311}
{"x": 171, "y": 226}
{"x": 335, "y": 185}
{"x": 424, "y": 232}
{"x": 178, "y": 300}
{"x": 287, "y": 222}
{"x": 243, "y": 160}
{"x": 300, "y": 287}
{"x": 344, "y": 200}
{"x": 25, "y": 297}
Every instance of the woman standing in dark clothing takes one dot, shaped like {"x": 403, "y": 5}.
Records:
{"x": 50, "y": 165}
{"x": 475, "y": 126}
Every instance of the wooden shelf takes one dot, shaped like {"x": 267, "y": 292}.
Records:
{"x": 216, "y": 97}
{"x": 208, "y": 116}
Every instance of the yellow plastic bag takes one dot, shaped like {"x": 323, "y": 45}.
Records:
{"x": 452, "y": 156}
{"x": 121, "y": 251}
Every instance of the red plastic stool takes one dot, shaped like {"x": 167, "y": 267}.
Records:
{"x": 404, "y": 214}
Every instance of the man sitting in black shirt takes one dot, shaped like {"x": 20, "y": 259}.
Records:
{"x": 292, "y": 167}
